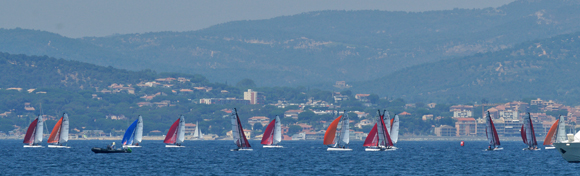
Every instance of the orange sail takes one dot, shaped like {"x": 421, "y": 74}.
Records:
{"x": 331, "y": 132}
{"x": 550, "y": 135}
{"x": 55, "y": 134}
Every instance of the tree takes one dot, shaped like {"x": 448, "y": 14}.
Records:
{"x": 374, "y": 98}
{"x": 306, "y": 115}
{"x": 246, "y": 83}
{"x": 346, "y": 92}
{"x": 258, "y": 127}
{"x": 294, "y": 129}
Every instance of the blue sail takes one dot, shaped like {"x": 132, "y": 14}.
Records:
{"x": 129, "y": 134}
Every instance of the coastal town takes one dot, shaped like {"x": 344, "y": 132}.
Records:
{"x": 303, "y": 120}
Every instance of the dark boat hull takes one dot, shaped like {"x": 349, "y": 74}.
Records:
{"x": 102, "y": 150}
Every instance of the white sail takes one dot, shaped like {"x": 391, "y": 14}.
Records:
{"x": 39, "y": 130}
{"x": 235, "y": 130}
{"x": 387, "y": 121}
{"x": 277, "y": 131}
{"x": 561, "y": 132}
{"x": 196, "y": 133}
{"x": 181, "y": 130}
{"x": 63, "y": 138}
{"x": 345, "y": 138}
{"x": 139, "y": 131}
{"x": 395, "y": 130}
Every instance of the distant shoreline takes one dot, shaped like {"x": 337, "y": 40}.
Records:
{"x": 402, "y": 138}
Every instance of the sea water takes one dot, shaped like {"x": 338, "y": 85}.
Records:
{"x": 297, "y": 157}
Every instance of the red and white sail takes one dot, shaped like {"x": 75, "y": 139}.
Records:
{"x": 238, "y": 132}
{"x": 551, "y": 137}
{"x": 34, "y": 133}
{"x": 383, "y": 132}
{"x": 176, "y": 133}
{"x": 59, "y": 133}
{"x": 273, "y": 133}
{"x": 490, "y": 132}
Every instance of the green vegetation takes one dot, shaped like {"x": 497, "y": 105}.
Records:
{"x": 314, "y": 48}
{"x": 544, "y": 68}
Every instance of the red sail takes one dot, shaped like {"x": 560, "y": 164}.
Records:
{"x": 29, "y": 137}
{"x": 268, "y": 136}
{"x": 246, "y": 143}
{"x": 171, "y": 136}
{"x": 331, "y": 132}
{"x": 55, "y": 134}
{"x": 534, "y": 142}
{"x": 550, "y": 136}
{"x": 372, "y": 138}
{"x": 386, "y": 132}
{"x": 523, "y": 133}
{"x": 495, "y": 134}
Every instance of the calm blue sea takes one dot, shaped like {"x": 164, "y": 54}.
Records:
{"x": 298, "y": 157}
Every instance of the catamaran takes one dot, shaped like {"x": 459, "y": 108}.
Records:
{"x": 176, "y": 133}
{"x": 134, "y": 134}
{"x": 238, "y": 133}
{"x": 491, "y": 134}
{"x": 341, "y": 144}
{"x": 551, "y": 137}
{"x": 197, "y": 135}
{"x": 59, "y": 134}
{"x": 528, "y": 135}
{"x": 33, "y": 137}
{"x": 273, "y": 134}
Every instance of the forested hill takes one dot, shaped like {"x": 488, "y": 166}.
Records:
{"x": 314, "y": 47}
{"x": 546, "y": 68}
{"x": 46, "y": 72}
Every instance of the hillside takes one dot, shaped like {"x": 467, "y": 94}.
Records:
{"x": 313, "y": 48}
{"x": 545, "y": 68}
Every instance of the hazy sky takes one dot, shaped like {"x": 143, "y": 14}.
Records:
{"x": 74, "y": 18}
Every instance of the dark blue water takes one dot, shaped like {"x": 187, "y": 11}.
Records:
{"x": 298, "y": 157}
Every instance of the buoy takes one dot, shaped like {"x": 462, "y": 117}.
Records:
{"x": 462, "y": 143}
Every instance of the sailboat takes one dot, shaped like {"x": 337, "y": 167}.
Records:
{"x": 528, "y": 135}
{"x": 491, "y": 134}
{"x": 176, "y": 133}
{"x": 59, "y": 134}
{"x": 134, "y": 134}
{"x": 551, "y": 137}
{"x": 33, "y": 137}
{"x": 238, "y": 133}
{"x": 197, "y": 135}
{"x": 273, "y": 134}
{"x": 340, "y": 143}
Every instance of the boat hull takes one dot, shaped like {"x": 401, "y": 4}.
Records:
{"x": 131, "y": 146}
{"x": 338, "y": 149}
{"x": 273, "y": 146}
{"x": 33, "y": 146}
{"x": 102, "y": 150}
{"x": 532, "y": 149}
{"x": 569, "y": 151}
{"x": 549, "y": 148}
{"x": 58, "y": 146}
{"x": 372, "y": 149}
{"x": 243, "y": 149}
{"x": 174, "y": 146}
{"x": 495, "y": 149}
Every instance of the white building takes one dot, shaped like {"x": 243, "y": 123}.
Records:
{"x": 508, "y": 114}
{"x": 253, "y": 96}
{"x": 462, "y": 114}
